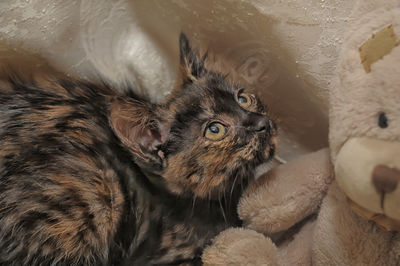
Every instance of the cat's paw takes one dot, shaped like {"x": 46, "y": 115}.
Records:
{"x": 238, "y": 246}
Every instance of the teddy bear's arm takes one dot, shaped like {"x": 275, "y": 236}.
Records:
{"x": 240, "y": 246}
{"x": 287, "y": 194}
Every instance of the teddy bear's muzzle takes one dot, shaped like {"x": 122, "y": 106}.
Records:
{"x": 368, "y": 172}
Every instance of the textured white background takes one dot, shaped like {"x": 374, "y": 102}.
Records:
{"x": 286, "y": 51}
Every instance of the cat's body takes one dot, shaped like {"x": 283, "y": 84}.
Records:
{"x": 88, "y": 176}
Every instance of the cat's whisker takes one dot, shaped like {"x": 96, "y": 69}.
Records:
{"x": 225, "y": 199}
{"x": 222, "y": 209}
{"x": 193, "y": 204}
{"x": 233, "y": 186}
{"x": 209, "y": 202}
{"x": 239, "y": 127}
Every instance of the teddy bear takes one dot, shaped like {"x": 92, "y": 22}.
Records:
{"x": 278, "y": 213}
{"x": 359, "y": 219}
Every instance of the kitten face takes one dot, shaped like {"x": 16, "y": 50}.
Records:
{"x": 218, "y": 132}
{"x": 205, "y": 140}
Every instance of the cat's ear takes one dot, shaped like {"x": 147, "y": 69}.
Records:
{"x": 192, "y": 65}
{"x": 139, "y": 127}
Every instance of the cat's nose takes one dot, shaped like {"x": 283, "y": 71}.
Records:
{"x": 259, "y": 123}
{"x": 262, "y": 125}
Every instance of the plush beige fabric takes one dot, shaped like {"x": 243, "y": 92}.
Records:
{"x": 286, "y": 194}
{"x": 368, "y": 85}
{"x": 238, "y": 246}
{"x": 343, "y": 238}
{"x": 278, "y": 200}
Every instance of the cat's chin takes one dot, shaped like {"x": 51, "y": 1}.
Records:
{"x": 267, "y": 163}
{"x": 233, "y": 189}
{"x": 225, "y": 190}
{"x": 270, "y": 150}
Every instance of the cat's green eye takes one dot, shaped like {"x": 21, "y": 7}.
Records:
{"x": 215, "y": 131}
{"x": 244, "y": 100}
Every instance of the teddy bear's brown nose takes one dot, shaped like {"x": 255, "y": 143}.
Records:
{"x": 385, "y": 179}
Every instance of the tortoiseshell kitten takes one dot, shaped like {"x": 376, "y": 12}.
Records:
{"x": 92, "y": 177}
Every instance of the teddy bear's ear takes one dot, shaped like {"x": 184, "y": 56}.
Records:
{"x": 379, "y": 45}
{"x": 192, "y": 65}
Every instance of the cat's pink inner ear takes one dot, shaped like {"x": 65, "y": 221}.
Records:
{"x": 136, "y": 127}
{"x": 149, "y": 139}
{"x": 126, "y": 131}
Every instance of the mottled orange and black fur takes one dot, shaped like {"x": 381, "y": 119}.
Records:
{"x": 92, "y": 177}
